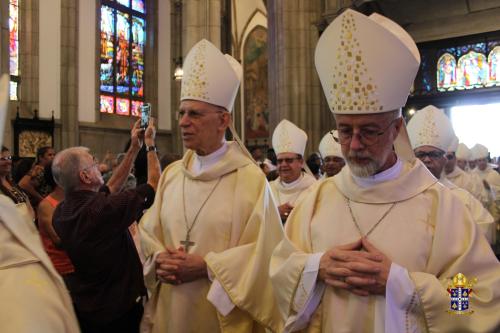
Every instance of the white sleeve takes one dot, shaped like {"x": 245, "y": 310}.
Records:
{"x": 307, "y": 296}
{"x": 218, "y": 297}
{"x": 400, "y": 301}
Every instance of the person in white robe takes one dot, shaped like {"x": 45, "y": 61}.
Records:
{"x": 289, "y": 143}
{"x": 210, "y": 232}
{"x": 483, "y": 169}
{"x": 463, "y": 155}
{"x": 431, "y": 135}
{"x": 373, "y": 249}
{"x": 34, "y": 296}
{"x": 456, "y": 174}
{"x": 330, "y": 151}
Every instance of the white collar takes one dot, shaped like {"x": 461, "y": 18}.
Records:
{"x": 202, "y": 163}
{"x": 392, "y": 173}
{"x": 292, "y": 184}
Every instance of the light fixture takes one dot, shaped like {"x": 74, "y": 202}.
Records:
{"x": 178, "y": 72}
{"x": 411, "y": 112}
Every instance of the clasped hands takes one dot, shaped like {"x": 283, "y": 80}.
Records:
{"x": 175, "y": 266}
{"x": 358, "y": 267}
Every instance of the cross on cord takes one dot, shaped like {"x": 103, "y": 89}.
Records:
{"x": 187, "y": 244}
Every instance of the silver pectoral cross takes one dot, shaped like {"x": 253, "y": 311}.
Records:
{"x": 187, "y": 243}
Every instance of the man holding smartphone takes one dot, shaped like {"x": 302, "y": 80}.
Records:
{"x": 92, "y": 222}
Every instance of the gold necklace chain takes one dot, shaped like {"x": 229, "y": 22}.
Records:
{"x": 188, "y": 227}
{"x": 348, "y": 201}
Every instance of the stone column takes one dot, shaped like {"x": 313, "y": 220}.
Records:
{"x": 198, "y": 19}
{"x": 69, "y": 73}
{"x": 29, "y": 51}
{"x": 294, "y": 88}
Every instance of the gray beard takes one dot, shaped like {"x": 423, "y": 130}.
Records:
{"x": 363, "y": 171}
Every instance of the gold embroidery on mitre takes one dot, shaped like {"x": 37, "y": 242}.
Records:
{"x": 428, "y": 134}
{"x": 194, "y": 82}
{"x": 352, "y": 89}
{"x": 284, "y": 141}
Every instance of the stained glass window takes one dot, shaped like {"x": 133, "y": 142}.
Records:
{"x": 446, "y": 72}
{"x": 123, "y": 39}
{"x": 468, "y": 66}
{"x": 13, "y": 47}
{"x": 494, "y": 66}
{"x": 472, "y": 71}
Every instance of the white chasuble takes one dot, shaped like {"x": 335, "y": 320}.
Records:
{"x": 428, "y": 232}
{"x": 34, "y": 296}
{"x": 473, "y": 185}
{"x": 284, "y": 193}
{"x": 235, "y": 231}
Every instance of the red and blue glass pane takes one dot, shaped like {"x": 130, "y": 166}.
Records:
{"x": 138, "y": 41}
{"x": 136, "y": 108}
{"x": 122, "y": 106}
{"x": 123, "y": 39}
{"x": 472, "y": 71}
{"x": 107, "y": 104}
{"x": 14, "y": 37}
{"x": 139, "y": 6}
{"x": 446, "y": 72}
{"x": 107, "y": 50}
{"x": 494, "y": 66}
{"x": 122, "y": 52}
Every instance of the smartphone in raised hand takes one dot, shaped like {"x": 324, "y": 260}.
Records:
{"x": 145, "y": 115}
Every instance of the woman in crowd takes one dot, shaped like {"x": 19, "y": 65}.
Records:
{"x": 11, "y": 190}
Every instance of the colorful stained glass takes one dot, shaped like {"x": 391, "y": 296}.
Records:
{"x": 123, "y": 106}
{"x": 107, "y": 104}
{"x": 123, "y": 39}
{"x": 494, "y": 67}
{"x": 107, "y": 50}
{"x": 138, "y": 40}
{"x": 446, "y": 72}
{"x": 472, "y": 70}
{"x": 124, "y": 2}
{"x": 139, "y": 6}
{"x": 136, "y": 108}
{"x": 14, "y": 37}
{"x": 122, "y": 52}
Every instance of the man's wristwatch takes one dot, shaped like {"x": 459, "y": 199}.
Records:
{"x": 150, "y": 148}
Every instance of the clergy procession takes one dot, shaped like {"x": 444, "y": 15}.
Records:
{"x": 395, "y": 232}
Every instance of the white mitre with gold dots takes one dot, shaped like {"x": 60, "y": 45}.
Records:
{"x": 463, "y": 152}
{"x": 210, "y": 76}
{"x": 329, "y": 147}
{"x": 430, "y": 127}
{"x": 367, "y": 65}
{"x": 4, "y": 100}
{"x": 288, "y": 138}
{"x": 478, "y": 151}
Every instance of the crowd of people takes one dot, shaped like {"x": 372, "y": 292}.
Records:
{"x": 376, "y": 232}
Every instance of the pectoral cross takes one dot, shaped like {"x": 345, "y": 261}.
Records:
{"x": 187, "y": 243}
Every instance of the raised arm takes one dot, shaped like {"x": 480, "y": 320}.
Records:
{"x": 121, "y": 173}
{"x": 154, "y": 170}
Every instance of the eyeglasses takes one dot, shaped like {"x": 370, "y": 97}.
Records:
{"x": 6, "y": 158}
{"x": 368, "y": 137}
{"x": 450, "y": 156}
{"x": 287, "y": 160}
{"x": 192, "y": 114}
{"x": 433, "y": 155}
